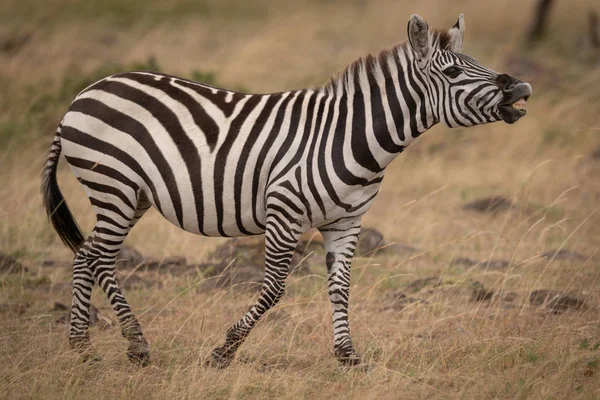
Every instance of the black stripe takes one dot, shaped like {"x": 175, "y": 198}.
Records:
{"x": 223, "y": 152}
{"x": 185, "y": 145}
{"x": 102, "y": 170}
{"x": 358, "y": 139}
{"x": 292, "y": 132}
{"x": 422, "y": 100}
{"x": 379, "y": 119}
{"x": 337, "y": 150}
{"x": 309, "y": 172}
{"x": 218, "y": 99}
{"x": 410, "y": 102}
{"x": 101, "y": 188}
{"x": 205, "y": 122}
{"x": 83, "y": 139}
{"x": 263, "y": 155}
{"x": 321, "y": 159}
{"x": 243, "y": 160}
{"x": 395, "y": 108}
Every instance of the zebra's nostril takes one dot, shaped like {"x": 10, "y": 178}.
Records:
{"x": 505, "y": 81}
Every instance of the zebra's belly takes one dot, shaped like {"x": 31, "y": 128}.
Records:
{"x": 230, "y": 220}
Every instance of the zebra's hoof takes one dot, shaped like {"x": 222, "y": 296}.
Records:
{"x": 348, "y": 357}
{"x": 139, "y": 354}
{"x": 220, "y": 358}
{"x": 140, "y": 358}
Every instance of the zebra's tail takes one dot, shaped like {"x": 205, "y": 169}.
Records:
{"x": 54, "y": 202}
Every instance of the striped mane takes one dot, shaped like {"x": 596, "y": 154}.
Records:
{"x": 439, "y": 38}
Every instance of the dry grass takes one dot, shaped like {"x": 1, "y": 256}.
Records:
{"x": 450, "y": 347}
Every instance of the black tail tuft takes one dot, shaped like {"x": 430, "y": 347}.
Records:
{"x": 55, "y": 204}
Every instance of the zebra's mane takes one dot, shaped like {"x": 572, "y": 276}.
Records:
{"x": 382, "y": 61}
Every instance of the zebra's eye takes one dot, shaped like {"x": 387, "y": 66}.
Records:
{"x": 452, "y": 71}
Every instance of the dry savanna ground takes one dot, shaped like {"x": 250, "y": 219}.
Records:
{"x": 497, "y": 300}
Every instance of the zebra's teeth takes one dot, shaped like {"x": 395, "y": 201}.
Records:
{"x": 519, "y": 104}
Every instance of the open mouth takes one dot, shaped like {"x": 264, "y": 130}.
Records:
{"x": 513, "y": 106}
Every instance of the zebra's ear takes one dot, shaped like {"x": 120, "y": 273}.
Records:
{"x": 418, "y": 37}
{"x": 457, "y": 34}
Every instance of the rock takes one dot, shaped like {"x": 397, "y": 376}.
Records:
{"x": 465, "y": 261}
{"x": 13, "y": 44}
{"x": 251, "y": 252}
{"x": 419, "y": 284}
{"x": 14, "y": 308}
{"x": 486, "y": 264}
{"x": 481, "y": 294}
{"x": 232, "y": 275}
{"x": 564, "y": 254}
{"x": 60, "y": 307}
{"x": 556, "y": 302}
{"x": 49, "y": 263}
{"x": 9, "y": 264}
{"x": 507, "y": 297}
{"x": 399, "y": 301}
{"x": 242, "y": 249}
{"x": 236, "y": 263}
{"x": 369, "y": 241}
{"x": 166, "y": 264}
{"x": 489, "y": 204}
{"x": 129, "y": 258}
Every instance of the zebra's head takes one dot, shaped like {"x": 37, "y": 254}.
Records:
{"x": 463, "y": 92}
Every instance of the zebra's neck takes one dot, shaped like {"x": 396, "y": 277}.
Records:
{"x": 386, "y": 103}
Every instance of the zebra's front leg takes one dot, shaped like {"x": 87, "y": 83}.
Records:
{"x": 340, "y": 242}
{"x": 281, "y": 236}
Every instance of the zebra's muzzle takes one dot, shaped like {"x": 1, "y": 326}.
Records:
{"x": 513, "y": 105}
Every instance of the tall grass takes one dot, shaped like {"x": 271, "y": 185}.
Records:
{"x": 445, "y": 346}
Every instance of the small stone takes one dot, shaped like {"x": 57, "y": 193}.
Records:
{"x": 481, "y": 294}
{"x": 556, "y": 302}
{"x": 369, "y": 241}
{"x": 59, "y": 307}
{"x": 419, "y": 284}
{"x": 486, "y": 264}
{"x": 564, "y": 254}
{"x": 490, "y": 204}
{"x": 14, "y": 308}
{"x": 399, "y": 301}
{"x": 465, "y": 261}
{"x": 9, "y": 264}
{"x": 129, "y": 258}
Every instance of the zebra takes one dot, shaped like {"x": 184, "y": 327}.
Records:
{"x": 220, "y": 163}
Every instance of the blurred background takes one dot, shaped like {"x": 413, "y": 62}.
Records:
{"x": 521, "y": 194}
{"x": 50, "y": 51}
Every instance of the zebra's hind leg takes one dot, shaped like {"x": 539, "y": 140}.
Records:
{"x": 281, "y": 236}
{"x": 83, "y": 283}
{"x": 139, "y": 349}
{"x": 100, "y": 251}
{"x": 340, "y": 242}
